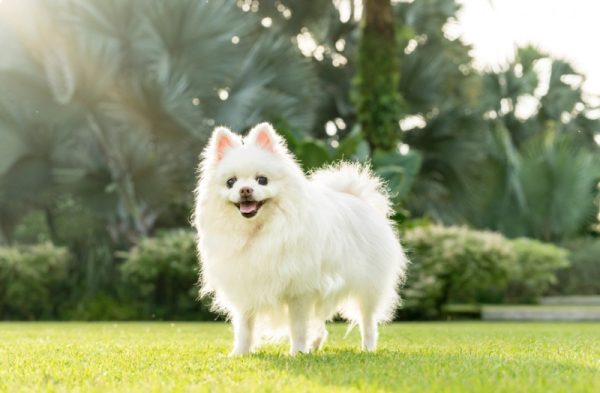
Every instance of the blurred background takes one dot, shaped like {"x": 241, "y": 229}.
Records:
{"x": 479, "y": 114}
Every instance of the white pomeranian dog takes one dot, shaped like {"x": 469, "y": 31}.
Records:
{"x": 284, "y": 252}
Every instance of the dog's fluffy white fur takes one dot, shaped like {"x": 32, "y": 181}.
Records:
{"x": 316, "y": 246}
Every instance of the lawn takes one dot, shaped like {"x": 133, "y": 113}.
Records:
{"x": 436, "y": 357}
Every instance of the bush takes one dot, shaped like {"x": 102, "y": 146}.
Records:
{"x": 453, "y": 264}
{"x": 101, "y": 307}
{"x": 31, "y": 279}
{"x": 162, "y": 273}
{"x": 93, "y": 268}
{"x": 583, "y": 275}
{"x": 460, "y": 265}
{"x": 537, "y": 266}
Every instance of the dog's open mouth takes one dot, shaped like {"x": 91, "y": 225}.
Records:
{"x": 249, "y": 208}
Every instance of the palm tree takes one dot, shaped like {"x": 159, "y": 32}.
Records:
{"x": 441, "y": 120}
{"x": 147, "y": 81}
{"x": 536, "y": 127}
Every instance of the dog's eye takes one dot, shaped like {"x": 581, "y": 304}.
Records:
{"x": 262, "y": 180}
{"x": 231, "y": 182}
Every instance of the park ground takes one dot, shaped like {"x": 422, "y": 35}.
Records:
{"x": 187, "y": 357}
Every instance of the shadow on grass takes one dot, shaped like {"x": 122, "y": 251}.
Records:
{"x": 428, "y": 370}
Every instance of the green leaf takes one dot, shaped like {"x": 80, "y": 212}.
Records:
{"x": 11, "y": 149}
{"x": 399, "y": 171}
{"x": 313, "y": 154}
{"x": 349, "y": 145}
{"x": 411, "y": 161}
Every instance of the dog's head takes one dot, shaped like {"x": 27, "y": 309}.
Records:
{"x": 248, "y": 175}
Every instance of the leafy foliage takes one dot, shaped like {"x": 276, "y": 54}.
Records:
{"x": 132, "y": 100}
{"x": 538, "y": 265}
{"x": 398, "y": 170}
{"x": 128, "y": 104}
{"x": 550, "y": 193}
{"x": 377, "y": 98}
{"x": 459, "y": 265}
{"x": 162, "y": 272}
{"x": 31, "y": 279}
{"x": 541, "y": 171}
{"x": 105, "y": 106}
{"x": 581, "y": 277}
{"x": 453, "y": 265}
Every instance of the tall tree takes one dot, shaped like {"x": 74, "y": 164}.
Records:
{"x": 540, "y": 177}
{"x": 376, "y": 97}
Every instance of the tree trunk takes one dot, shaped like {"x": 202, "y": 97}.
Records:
{"x": 376, "y": 96}
{"x": 50, "y": 222}
{"x": 5, "y": 238}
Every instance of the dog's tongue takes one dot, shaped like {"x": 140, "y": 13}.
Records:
{"x": 248, "y": 207}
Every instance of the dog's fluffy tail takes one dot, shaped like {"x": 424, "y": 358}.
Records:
{"x": 358, "y": 180}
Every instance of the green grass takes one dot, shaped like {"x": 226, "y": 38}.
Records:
{"x": 436, "y": 357}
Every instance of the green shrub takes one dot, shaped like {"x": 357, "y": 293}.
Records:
{"x": 101, "y": 307}
{"x": 162, "y": 273}
{"x": 537, "y": 266}
{"x": 453, "y": 264}
{"x": 31, "y": 280}
{"x": 93, "y": 267}
{"x": 460, "y": 265}
{"x": 582, "y": 277}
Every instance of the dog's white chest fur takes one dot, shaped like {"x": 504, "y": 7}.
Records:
{"x": 260, "y": 270}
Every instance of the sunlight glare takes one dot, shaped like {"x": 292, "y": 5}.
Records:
{"x": 306, "y": 42}
{"x": 330, "y": 128}
{"x": 340, "y": 123}
{"x": 266, "y": 22}
{"x": 403, "y": 148}
{"x": 223, "y": 94}
{"x": 411, "y": 122}
{"x": 527, "y": 106}
{"x": 496, "y": 27}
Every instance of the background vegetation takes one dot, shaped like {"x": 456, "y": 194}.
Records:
{"x": 105, "y": 106}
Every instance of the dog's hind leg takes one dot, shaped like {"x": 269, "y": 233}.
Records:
{"x": 320, "y": 336}
{"x": 368, "y": 327}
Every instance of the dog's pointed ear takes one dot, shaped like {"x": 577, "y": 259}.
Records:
{"x": 264, "y": 135}
{"x": 221, "y": 140}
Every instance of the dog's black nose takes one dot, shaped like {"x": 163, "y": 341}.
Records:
{"x": 246, "y": 191}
